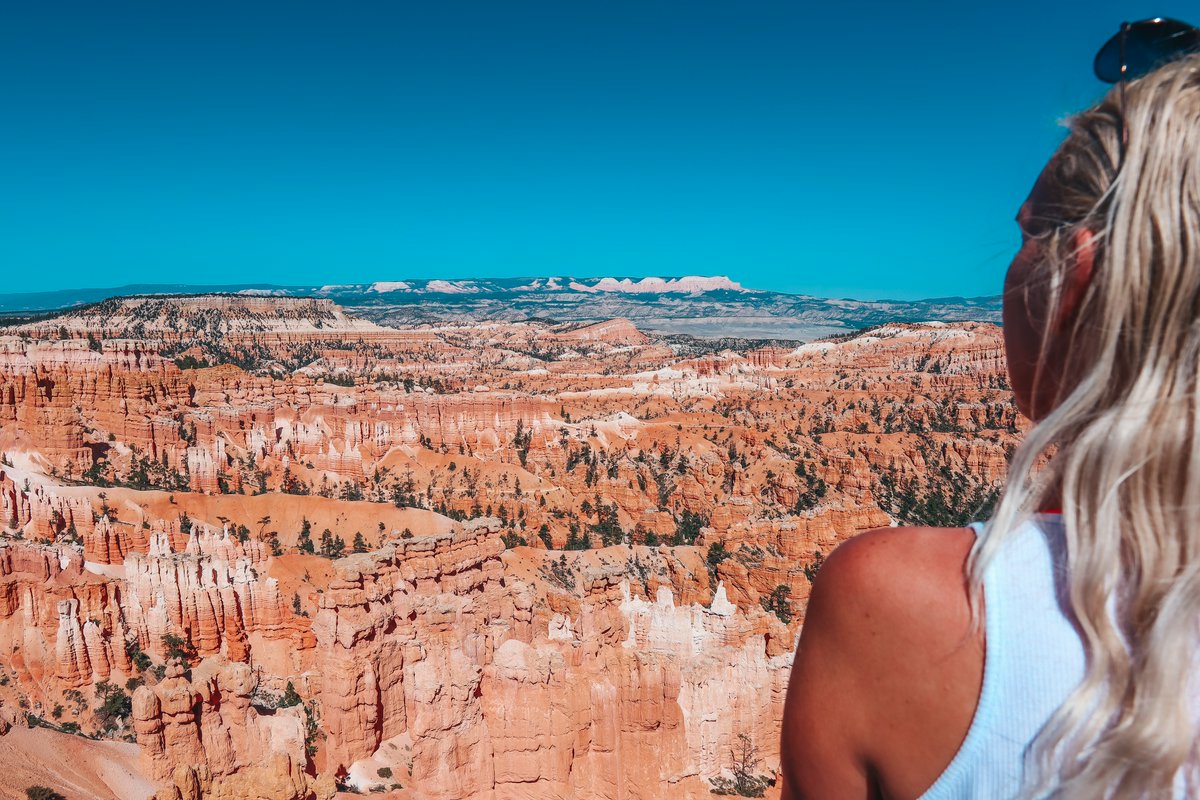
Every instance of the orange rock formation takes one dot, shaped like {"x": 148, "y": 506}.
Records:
{"x": 502, "y": 560}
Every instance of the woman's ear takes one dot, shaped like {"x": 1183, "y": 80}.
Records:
{"x": 1079, "y": 276}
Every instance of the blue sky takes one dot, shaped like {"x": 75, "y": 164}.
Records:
{"x": 869, "y": 150}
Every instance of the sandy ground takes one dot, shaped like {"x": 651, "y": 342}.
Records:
{"x": 77, "y": 768}
{"x": 343, "y": 518}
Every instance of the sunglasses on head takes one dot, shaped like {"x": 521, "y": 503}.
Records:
{"x": 1140, "y": 47}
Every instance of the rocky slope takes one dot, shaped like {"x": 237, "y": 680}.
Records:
{"x": 493, "y": 560}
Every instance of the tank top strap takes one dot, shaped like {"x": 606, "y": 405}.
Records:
{"x": 1033, "y": 661}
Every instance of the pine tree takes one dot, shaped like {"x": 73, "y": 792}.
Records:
{"x": 290, "y": 696}
{"x": 305, "y": 542}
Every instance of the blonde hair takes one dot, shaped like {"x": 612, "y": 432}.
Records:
{"x": 1121, "y": 445}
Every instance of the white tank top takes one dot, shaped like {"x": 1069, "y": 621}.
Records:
{"x": 1034, "y": 659}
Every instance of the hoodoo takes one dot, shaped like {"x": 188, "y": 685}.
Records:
{"x": 284, "y": 550}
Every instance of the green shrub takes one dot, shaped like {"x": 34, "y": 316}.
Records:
{"x": 716, "y": 554}
{"x": 290, "y": 696}
{"x": 178, "y": 647}
{"x": 42, "y": 793}
{"x": 779, "y": 603}
{"x": 687, "y": 528}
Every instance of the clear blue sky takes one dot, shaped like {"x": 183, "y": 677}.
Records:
{"x": 868, "y": 150}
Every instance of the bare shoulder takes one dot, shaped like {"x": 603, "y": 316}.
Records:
{"x": 887, "y": 570}
{"x": 893, "y": 588}
{"x": 888, "y": 663}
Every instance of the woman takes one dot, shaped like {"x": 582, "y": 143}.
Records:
{"x": 1052, "y": 653}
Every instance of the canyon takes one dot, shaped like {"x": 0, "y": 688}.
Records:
{"x": 288, "y": 552}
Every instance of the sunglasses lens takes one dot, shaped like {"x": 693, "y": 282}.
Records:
{"x": 1147, "y": 44}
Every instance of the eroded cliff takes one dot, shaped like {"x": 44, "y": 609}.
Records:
{"x": 499, "y": 560}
